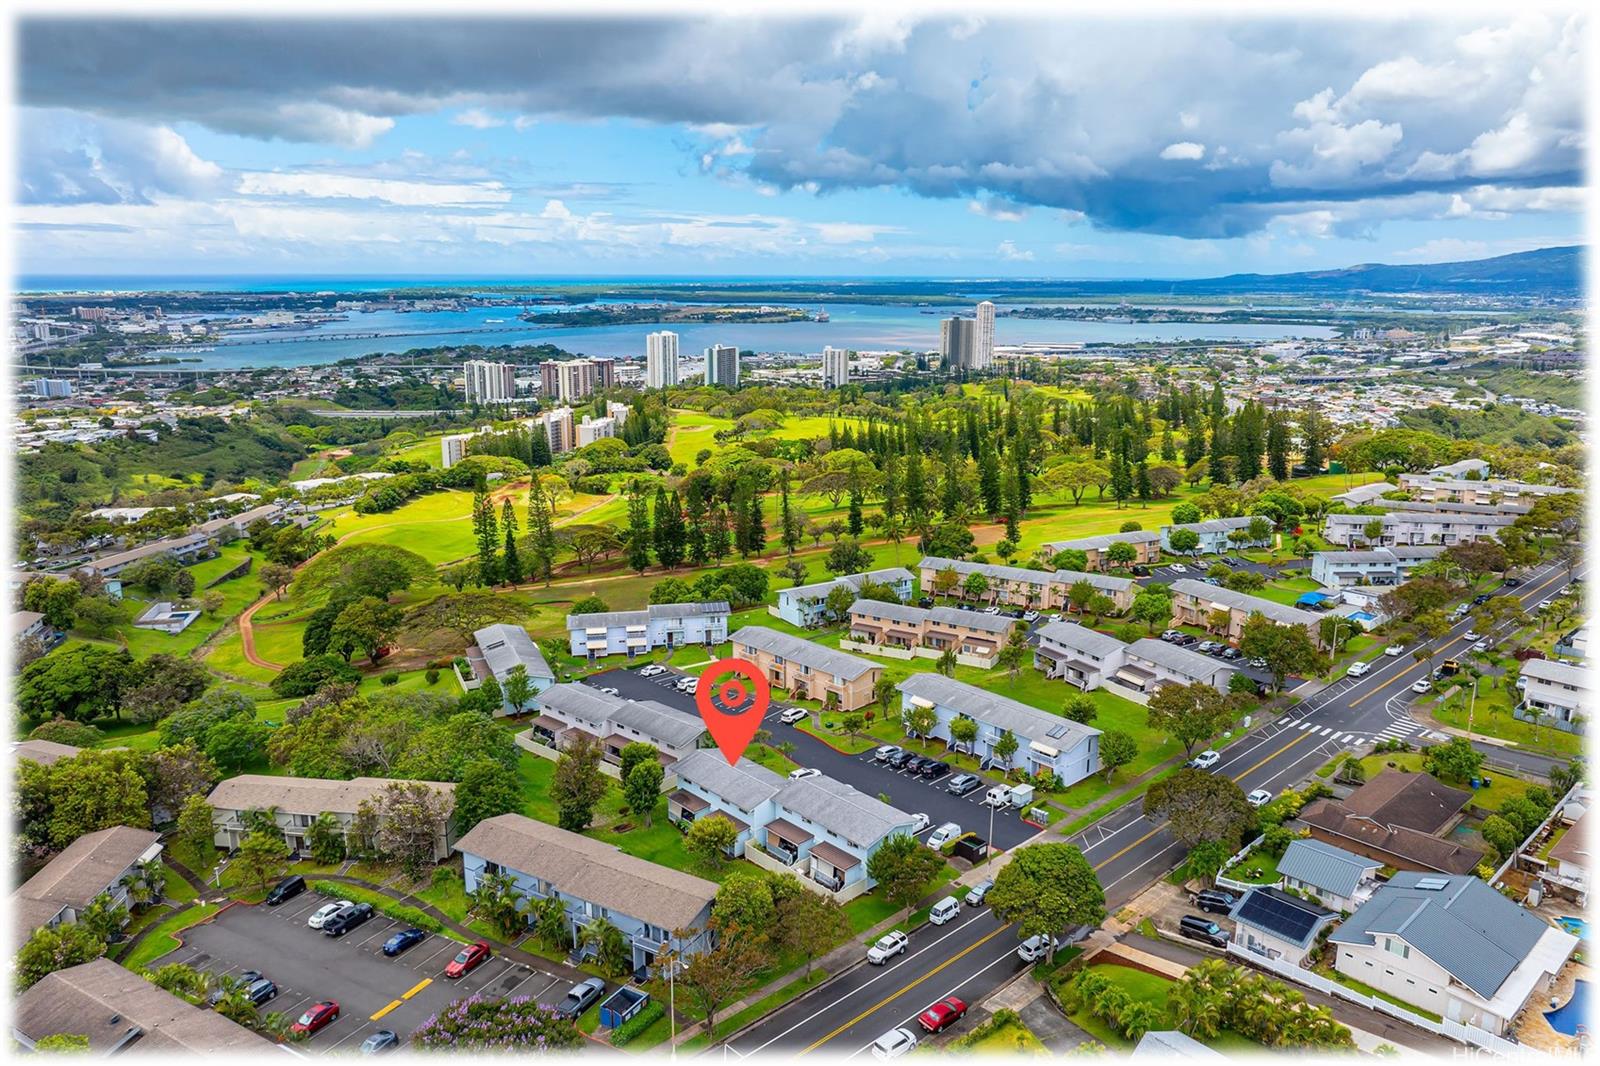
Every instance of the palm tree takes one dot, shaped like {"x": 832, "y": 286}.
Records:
{"x": 550, "y": 922}
{"x": 610, "y": 946}
{"x": 276, "y": 1025}
{"x": 1197, "y": 1006}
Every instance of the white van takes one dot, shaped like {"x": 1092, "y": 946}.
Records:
{"x": 944, "y": 910}
{"x": 998, "y": 796}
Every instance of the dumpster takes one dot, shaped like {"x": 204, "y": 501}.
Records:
{"x": 622, "y": 1004}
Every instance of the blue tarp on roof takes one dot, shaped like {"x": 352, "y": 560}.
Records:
{"x": 1311, "y": 599}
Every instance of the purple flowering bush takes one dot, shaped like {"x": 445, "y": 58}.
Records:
{"x": 477, "y": 1023}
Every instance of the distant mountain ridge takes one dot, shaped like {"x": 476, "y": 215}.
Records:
{"x": 1548, "y": 271}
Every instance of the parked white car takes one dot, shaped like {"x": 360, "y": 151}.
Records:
{"x": 1471, "y": 634}
{"x": 1422, "y": 686}
{"x": 944, "y": 835}
{"x": 1357, "y": 669}
{"x": 1205, "y": 760}
{"x": 998, "y": 796}
{"x": 1395, "y": 649}
{"x": 888, "y": 946}
{"x": 323, "y": 913}
{"x": 894, "y": 1043}
{"x": 803, "y": 773}
{"x": 1034, "y": 948}
{"x": 1259, "y": 798}
{"x": 793, "y": 715}
{"x": 1178, "y": 568}
{"x": 919, "y": 822}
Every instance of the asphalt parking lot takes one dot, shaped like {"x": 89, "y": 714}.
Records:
{"x": 373, "y": 992}
{"x": 907, "y": 792}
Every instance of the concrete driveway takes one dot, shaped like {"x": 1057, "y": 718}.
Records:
{"x": 373, "y": 992}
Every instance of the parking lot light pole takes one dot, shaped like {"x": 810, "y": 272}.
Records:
{"x": 990, "y": 842}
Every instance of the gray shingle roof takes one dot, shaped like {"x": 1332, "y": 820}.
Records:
{"x": 1182, "y": 661}
{"x": 707, "y": 608}
{"x": 1105, "y": 540}
{"x": 591, "y": 870}
{"x": 667, "y": 725}
{"x": 581, "y": 701}
{"x": 990, "y": 570}
{"x": 1024, "y": 722}
{"x": 305, "y": 795}
{"x": 87, "y": 867}
{"x": 1465, "y": 926}
{"x": 899, "y": 612}
{"x": 505, "y": 646}
{"x": 110, "y": 1005}
{"x": 800, "y": 650}
{"x": 1277, "y": 612}
{"x": 1080, "y": 638}
{"x": 1103, "y": 582}
{"x": 1219, "y": 525}
{"x": 44, "y": 752}
{"x": 1557, "y": 672}
{"x": 859, "y": 818}
{"x": 746, "y": 785}
{"x": 987, "y": 623}
{"x": 1320, "y": 864}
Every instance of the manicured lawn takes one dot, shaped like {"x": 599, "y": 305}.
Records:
{"x": 1501, "y": 787}
{"x": 1153, "y": 989}
{"x": 175, "y": 889}
{"x": 237, "y": 594}
{"x": 164, "y": 937}
{"x": 1492, "y": 717}
{"x": 692, "y": 432}
{"x": 867, "y": 911}
{"x": 536, "y": 773}
{"x": 771, "y": 758}
{"x": 772, "y": 1001}
{"x": 1257, "y": 868}
{"x": 449, "y": 897}
{"x": 1008, "y": 1039}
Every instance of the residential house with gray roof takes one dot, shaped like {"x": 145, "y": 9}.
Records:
{"x": 819, "y": 829}
{"x": 296, "y": 802}
{"x": 660, "y": 625}
{"x": 1340, "y": 879}
{"x": 903, "y": 627}
{"x": 1375, "y": 566}
{"x": 1146, "y": 547}
{"x": 1076, "y": 654}
{"x": 1220, "y": 535}
{"x": 651, "y": 904}
{"x": 1196, "y": 603}
{"x": 1046, "y": 743}
{"x": 1452, "y": 945}
{"x": 499, "y": 649}
{"x": 92, "y": 865}
{"x": 120, "y": 1010}
{"x": 806, "y": 605}
{"x": 569, "y": 712}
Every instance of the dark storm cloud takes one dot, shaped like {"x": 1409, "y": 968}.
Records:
{"x": 1195, "y": 129}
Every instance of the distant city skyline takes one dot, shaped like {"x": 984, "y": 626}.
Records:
{"x": 885, "y": 146}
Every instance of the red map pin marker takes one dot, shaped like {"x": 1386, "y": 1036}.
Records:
{"x": 732, "y": 698}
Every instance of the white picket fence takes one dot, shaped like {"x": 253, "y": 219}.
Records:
{"x": 1224, "y": 881}
{"x": 1466, "y": 1034}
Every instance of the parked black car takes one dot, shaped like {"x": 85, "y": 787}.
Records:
{"x": 244, "y": 980}
{"x": 915, "y": 764}
{"x": 1204, "y": 930}
{"x": 287, "y": 889}
{"x": 347, "y": 919}
{"x": 933, "y": 769}
{"x": 1231, "y": 654}
{"x": 402, "y": 940}
{"x": 1215, "y": 901}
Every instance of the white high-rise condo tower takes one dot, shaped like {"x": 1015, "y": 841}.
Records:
{"x": 661, "y": 360}
{"x": 835, "y": 367}
{"x": 722, "y": 365}
{"x": 489, "y": 382}
{"x": 985, "y": 352}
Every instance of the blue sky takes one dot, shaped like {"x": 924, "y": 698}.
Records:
{"x": 824, "y": 146}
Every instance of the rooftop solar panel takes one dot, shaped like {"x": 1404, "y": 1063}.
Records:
{"x": 1285, "y": 918}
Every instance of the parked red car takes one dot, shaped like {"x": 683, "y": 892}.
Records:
{"x": 317, "y": 1016}
{"x": 942, "y": 1015}
{"x": 468, "y": 959}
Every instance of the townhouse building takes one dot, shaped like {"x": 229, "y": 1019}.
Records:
{"x": 30, "y": 625}
{"x": 1196, "y": 603}
{"x": 499, "y": 649}
{"x": 1555, "y": 694}
{"x": 879, "y": 626}
{"x": 1015, "y": 586}
{"x": 1218, "y": 536}
{"x": 1374, "y": 566}
{"x": 807, "y": 670}
{"x": 187, "y": 550}
{"x": 1451, "y": 945}
{"x": 295, "y": 802}
{"x": 118, "y": 1010}
{"x": 1413, "y": 527}
{"x": 635, "y": 633}
{"x": 568, "y": 713}
{"x": 1460, "y": 471}
{"x": 1146, "y": 547}
{"x": 91, "y": 866}
{"x": 1148, "y": 664}
{"x": 1076, "y": 654}
{"x": 1046, "y": 743}
{"x": 1484, "y": 491}
{"x": 820, "y": 830}
{"x": 806, "y": 605}
{"x": 658, "y": 909}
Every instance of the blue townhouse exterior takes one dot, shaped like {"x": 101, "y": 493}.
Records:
{"x": 658, "y": 909}
{"x": 806, "y": 605}
{"x": 1377, "y": 566}
{"x": 499, "y": 649}
{"x": 1046, "y": 743}
{"x": 1216, "y": 535}
{"x": 817, "y": 829}
{"x": 635, "y": 633}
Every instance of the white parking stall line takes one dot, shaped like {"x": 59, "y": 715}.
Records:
{"x": 508, "y": 993}
{"x": 359, "y": 1030}
{"x": 446, "y": 945}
